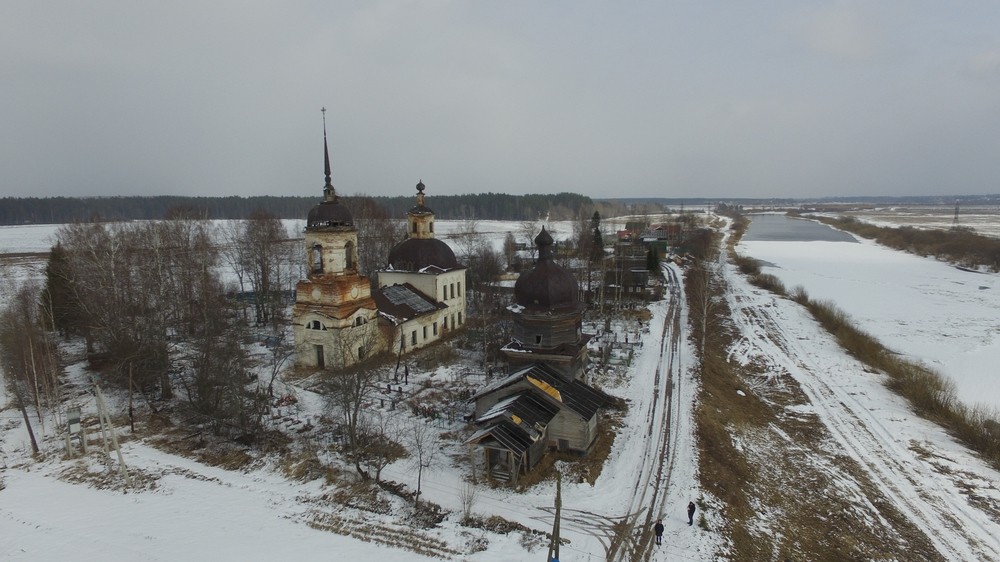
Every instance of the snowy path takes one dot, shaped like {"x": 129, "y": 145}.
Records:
{"x": 651, "y": 472}
{"x": 873, "y": 426}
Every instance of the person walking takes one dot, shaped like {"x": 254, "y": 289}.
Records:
{"x": 690, "y": 513}
{"x": 658, "y": 529}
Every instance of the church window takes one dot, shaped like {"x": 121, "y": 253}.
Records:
{"x": 452, "y": 290}
{"x": 413, "y": 338}
{"x": 361, "y": 353}
{"x": 316, "y": 258}
{"x": 430, "y": 225}
{"x": 435, "y": 328}
{"x": 349, "y": 256}
{"x": 425, "y": 332}
{"x": 444, "y": 323}
{"x": 414, "y": 227}
{"x": 459, "y": 288}
{"x": 459, "y": 318}
{"x": 359, "y": 321}
{"x": 538, "y": 339}
{"x": 315, "y": 325}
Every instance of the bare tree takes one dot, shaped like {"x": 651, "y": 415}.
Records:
{"x": 352, "y": 388}
{"x": 377, "y": 233}
{"x": 139, "y": 289}
{"x": 234, "y": 255}
{"x": 27, "y": 357}
{"x": 424, "y": 444}
{"x": 118, "y": 275}
{"x": 528, "y": 230}
{"x": 263, "y": 235}
{"x": 510, "y": 250}
{"x": 700, "y": 284}
{"x": 281, "y": 350}
{"x": 379, "y": 445}
{"x": 467, "y": 495}
{"x": 468, "y": 238}
{"x": 484, "y": 268}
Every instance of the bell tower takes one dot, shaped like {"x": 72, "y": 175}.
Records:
{"x": 335, "y": 317}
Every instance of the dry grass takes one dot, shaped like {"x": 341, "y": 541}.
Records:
{"x": 958, "y": 246}
{"x": 931, "y": 395}
{"x": 306, "y": 466}
{"x": 784, "y": 494}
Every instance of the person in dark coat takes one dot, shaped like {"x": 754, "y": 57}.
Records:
{"x": 658, "y": 529}
{"x": 690, "y": 513}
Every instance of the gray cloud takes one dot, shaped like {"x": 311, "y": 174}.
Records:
{"x": 680, "y": 99}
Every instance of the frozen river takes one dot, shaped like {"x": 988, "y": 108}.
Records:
{"x": 920, "y": 307}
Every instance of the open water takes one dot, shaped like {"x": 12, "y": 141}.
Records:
{"x": 772, "y": 227}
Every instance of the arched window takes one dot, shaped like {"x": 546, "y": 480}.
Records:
{"x": 349, "y": 256}
{"x": 359, "y": 321}
{"x": 316, "y": 258}
{"x": 315, "y": 325}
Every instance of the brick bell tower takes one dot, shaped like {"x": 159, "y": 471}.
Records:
{"x": 335, "y": 318}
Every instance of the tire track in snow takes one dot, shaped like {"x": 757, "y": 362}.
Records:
{"x": 890, "y": 465}
{"x": 633, "y": 541}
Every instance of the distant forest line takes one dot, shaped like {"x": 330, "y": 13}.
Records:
{"x": 485, "y": 206}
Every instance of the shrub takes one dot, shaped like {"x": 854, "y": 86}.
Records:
{"x": 769, "y": 282}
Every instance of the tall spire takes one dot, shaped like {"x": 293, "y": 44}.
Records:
{"x": 329, "y": 194}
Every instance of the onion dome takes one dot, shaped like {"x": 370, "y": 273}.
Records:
{"x": 329, "y": 213}
{"x": 420, "y": 208}
{"x": 548, "y": 285}
{"x": 414, "y": 254}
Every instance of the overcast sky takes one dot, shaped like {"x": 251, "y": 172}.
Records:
{"x": 609, "y": 99}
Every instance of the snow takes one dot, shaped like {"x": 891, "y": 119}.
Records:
{"x": 921, "y": 307}
{"x": 873, "y": 426}
{"x": 917, "y": 306}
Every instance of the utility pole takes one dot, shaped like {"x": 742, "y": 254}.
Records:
{"x": 553, "y": 554}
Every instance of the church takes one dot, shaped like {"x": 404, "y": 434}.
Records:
{"x": 544, "y": 403}
{"x": 339, "y": 319}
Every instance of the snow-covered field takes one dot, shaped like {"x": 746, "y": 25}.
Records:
{"x": 923, "y": 308}
{"x": 948, "y": 493}
{"x": 201, "y": 512}
{"x": 983, "y": 219}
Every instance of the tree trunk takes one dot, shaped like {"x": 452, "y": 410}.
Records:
{"x": 27, "y": 422}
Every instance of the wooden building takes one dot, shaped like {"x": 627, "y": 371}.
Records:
{"x": 544, "y": 403}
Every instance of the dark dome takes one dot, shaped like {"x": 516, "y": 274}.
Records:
{"x": 548, "y": 285}
{"x": 329, "y": 213}
{"x": 414, "y": 254}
